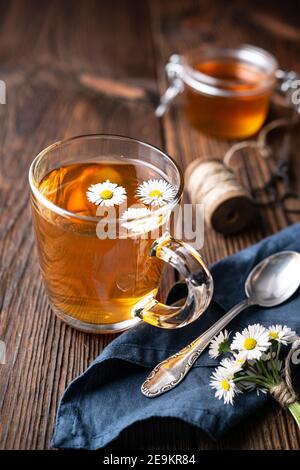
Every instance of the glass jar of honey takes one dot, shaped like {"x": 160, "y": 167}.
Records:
{"x": 226, "y": 91}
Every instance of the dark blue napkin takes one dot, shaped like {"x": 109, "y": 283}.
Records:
{"x": 106, "y": 399}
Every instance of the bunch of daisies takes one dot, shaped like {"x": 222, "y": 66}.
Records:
{"x": 252, "y": 362}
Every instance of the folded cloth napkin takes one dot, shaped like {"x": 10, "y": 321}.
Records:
{"x": 106, "y": 398}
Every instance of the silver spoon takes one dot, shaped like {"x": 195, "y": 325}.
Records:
{"x": 270, "y": 283}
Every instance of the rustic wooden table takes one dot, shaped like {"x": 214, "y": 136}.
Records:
{"x": 76, "y": 67}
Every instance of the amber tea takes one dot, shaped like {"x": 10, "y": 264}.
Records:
{"x": 92, "y": 280}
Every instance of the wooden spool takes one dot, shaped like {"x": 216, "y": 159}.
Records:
{"x": 228, "y": 206}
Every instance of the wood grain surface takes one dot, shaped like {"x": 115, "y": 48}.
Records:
{"x": 76, "y": 67}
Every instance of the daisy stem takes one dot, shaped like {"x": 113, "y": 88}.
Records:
{"x": 261, "y": 377}
{"x": 278, "y": 351}
{"x": 275, "y": 371}
{"x": 259, "y": 380}
{"x": 277, "y": 375}
{"x": 295, "y": 410}
{"x": 259, "y": 368}
{"x": 265, "y": 371}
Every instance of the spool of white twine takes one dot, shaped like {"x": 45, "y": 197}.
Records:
{"x": 228, "y": 206}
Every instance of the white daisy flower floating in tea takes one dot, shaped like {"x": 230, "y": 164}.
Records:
{"x": 135, "y": 213}
{"x": 106, "y": 194}
{"x": 223, "y": 383}
{"x": 281, "y": 334}
{"x": 139, "y": 219}
{"x": 219, "y": 345}
{"x": 252, "y": 342}
{"x": 156, "y": 192}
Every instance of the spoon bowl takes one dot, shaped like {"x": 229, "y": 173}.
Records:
{"x": 275, "y": 279}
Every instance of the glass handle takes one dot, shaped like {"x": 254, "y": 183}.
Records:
{"x": 173, "y": 71}
{"x": 288, "y": 81}
{"x": 191, "y": 266}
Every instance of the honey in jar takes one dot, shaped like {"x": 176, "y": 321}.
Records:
{"x": 237, "y": 114}
{"x": 226, "y": 90}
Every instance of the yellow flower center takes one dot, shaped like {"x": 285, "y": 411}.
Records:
{"x": 106, "y": 194}
{"x": 273, "y": 334}
{"x": 225, "y": 385}
{"x": 250, "y": 343}
{"x": 155, "y": 193}
{"x": 239, "y": 361}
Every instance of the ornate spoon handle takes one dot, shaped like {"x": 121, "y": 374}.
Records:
{"x": 172, "y": 370}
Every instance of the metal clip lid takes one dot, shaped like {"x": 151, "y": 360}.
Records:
{"x": 288, "y": 83}
{"x": 173, "y": 72}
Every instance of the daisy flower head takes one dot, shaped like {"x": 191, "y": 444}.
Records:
{"x": 139, "y": 220}
{"x": 233, "y": 366}
{"x": 252, "y": 342}
{"x": 239, "y": 360}
{"x": 106, "y": 194}
{"x": 281, "y": 334}
{"x": 219, "y": 344}
{"x": 156, "y": 192}
{"x": 224, "y": 385}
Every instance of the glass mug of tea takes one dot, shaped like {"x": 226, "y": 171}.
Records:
{"x": 106, "y": 281}
{"x": 226, "y": 91}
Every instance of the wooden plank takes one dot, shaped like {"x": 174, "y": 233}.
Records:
{"x": 45, "y": 48}
{"x": 177, "y": 27}
{"x": 74, "y": 67}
